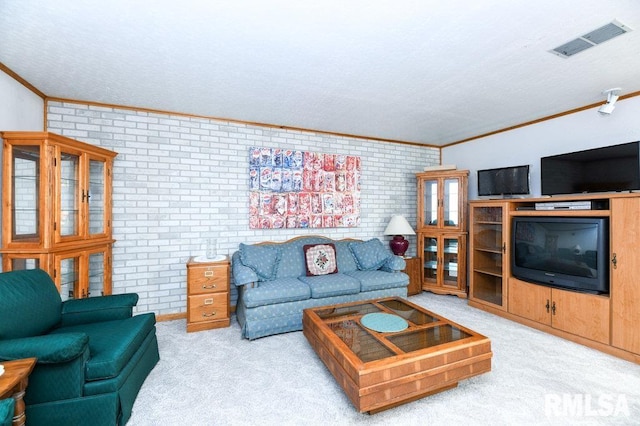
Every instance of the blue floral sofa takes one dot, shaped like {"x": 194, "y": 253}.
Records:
{"x": 277, "y": 281}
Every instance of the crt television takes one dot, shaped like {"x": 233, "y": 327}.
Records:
{"x": 567, "y": 252}
{"x": 610, "y": 168}
{"x": 504, "y": 181}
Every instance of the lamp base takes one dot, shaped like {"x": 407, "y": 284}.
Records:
{"x": 399, "y": 245}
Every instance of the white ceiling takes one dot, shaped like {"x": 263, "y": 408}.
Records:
{"x": 426, "y": 71}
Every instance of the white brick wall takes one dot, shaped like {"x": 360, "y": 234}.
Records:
{"x": 178, "y": 180}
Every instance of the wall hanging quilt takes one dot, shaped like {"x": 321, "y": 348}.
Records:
{"x": 301, "y": 189}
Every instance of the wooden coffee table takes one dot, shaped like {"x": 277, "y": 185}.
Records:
{"x": 380, "y": 370}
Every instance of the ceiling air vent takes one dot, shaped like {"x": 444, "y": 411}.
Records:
{"x": 593, "y": 38}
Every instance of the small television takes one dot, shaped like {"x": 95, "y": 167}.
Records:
{"x": 504, "y": 181}
{"x": 610, "y": 168}
{"x": 566, "y": 252}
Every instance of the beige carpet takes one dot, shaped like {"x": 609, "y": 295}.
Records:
{"x": 216, "y": 378}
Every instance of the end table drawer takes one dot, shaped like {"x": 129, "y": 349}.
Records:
{"x": 208, "y": 279}
{"x": 208, "y": 307}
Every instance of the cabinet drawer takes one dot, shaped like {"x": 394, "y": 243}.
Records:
{"x": 208, "y": 279}
{"x": 208, "y": 307}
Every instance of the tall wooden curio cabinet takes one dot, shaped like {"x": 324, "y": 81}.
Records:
{"x": 56, "y": 210}
{"x": 442, "y": 230}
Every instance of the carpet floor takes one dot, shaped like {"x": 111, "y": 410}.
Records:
{"x": 216, "y": 378}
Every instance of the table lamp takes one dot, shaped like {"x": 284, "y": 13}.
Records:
{"x": 398, "y": 226}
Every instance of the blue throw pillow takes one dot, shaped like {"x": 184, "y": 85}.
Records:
{"x": 370, "y": 255}
{"x": 263, "y": 259}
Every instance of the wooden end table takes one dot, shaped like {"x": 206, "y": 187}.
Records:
{"x": 13, "y": 383}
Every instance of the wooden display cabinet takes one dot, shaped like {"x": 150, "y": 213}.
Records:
{"x": 442, "y": 229}
{"x": 488, "y": 260}
{"x": 56, "y": 205}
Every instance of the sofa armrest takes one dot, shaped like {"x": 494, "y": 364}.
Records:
{"x": 394, "y": 264}
{"x": 96, "y": 309}
{"x": 242, "y": 274}
{"x": 49, "y": 348}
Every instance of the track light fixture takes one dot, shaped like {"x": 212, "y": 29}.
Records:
{"x": 612, "y": 97}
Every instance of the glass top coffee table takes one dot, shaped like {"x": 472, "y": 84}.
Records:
{"x": 387, "y": 352}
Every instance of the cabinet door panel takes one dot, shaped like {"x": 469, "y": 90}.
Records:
{"x": 68, "y": 200}
{"x": 585, "y": 315}
{"x": 96, "y": 197}
{"x": 530, "y": 301}
{"x": 25, "y": 191}
{"x": 625, "y": 287}
{"x": 451, "y": 203}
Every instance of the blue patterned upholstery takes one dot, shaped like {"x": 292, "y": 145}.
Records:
{"x": 263, "y": 259}
{"x": 278, "y": 291}
{"x": 274, "y": 305}
{"x": 377, "y": 280}
{"x": 369, "y": 255}
{"x": 331, "y": 285}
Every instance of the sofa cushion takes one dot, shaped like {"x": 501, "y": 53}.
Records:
{"x": 320, "y": 259}
{"x": 370, "y": 255}
{"x": 344, "y": 257}
{"x": 379, "y": 280}
{"x": 112, "y": 343}
{"x": 263, "y": 259}
{"x": 331, "y": 285}
{"x": 21, "y": 294}
{"x": 280, "y": 290}
{"x": 292, "y": 264}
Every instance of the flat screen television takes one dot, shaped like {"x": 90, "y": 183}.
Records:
{"x": 504, "y": 181}
{"x": 610, "y": 168}
{"x": 566, "y": 252}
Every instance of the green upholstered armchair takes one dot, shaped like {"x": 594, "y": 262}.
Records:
{"x": 92, "y": 354}
{"x": 6, "y": 411}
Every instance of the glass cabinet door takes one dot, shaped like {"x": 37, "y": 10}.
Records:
{"x": 96, "y": 197}
{"x": 430, "y": 258}
{"x": 67, "y": 276}
{"x": 99, "y": 279}
{"x": 450, "y": 255}
{"x": 25, "y": 202}
{"x": 69, "y": 198}
{"x": 451, "y": 203}
{"x": 430, "y": 202}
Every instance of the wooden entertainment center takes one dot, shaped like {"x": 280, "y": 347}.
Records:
{"x": 606, "y": 322}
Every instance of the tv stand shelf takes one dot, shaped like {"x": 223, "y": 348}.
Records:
{"x": 604, "y": 322}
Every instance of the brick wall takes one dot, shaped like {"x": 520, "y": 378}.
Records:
{"x": 179, "y": 180}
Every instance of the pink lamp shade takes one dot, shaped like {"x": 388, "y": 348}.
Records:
{"x": 398, "y": 226}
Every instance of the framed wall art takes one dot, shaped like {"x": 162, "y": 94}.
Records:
{"x": 301, "y": 189}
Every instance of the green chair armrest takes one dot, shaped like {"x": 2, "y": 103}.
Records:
{"x": 49, "y": 349}
{"x": 96, "y": 309}
{"x": 6, "y": 411}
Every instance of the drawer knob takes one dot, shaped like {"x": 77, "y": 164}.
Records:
{"x": 206, "y": 315}
{"x": 208, "y": 286}
{"x": 208, "y": 274}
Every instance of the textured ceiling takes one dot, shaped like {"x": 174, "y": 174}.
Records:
{"x": 425, "y": 71}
